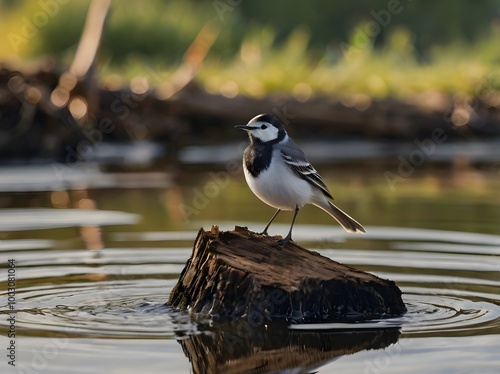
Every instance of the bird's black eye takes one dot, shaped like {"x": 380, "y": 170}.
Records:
{"x": 263, "y": 127}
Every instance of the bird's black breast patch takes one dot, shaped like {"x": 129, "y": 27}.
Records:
{"x": 257, "y": 158}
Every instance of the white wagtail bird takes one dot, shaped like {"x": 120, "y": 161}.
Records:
{"x": 278, "y": 173}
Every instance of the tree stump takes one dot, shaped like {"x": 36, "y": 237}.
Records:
{"x": 239, "y": 274}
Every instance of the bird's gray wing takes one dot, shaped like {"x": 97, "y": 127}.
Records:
{"x": 297, "y": 161}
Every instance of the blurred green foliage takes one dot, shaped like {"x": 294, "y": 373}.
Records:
{"x": 379, "y": 47}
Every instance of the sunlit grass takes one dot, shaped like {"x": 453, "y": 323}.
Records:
{"x": 260, "y": 69}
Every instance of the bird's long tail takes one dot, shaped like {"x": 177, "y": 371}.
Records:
{"x": 347, "y": 222}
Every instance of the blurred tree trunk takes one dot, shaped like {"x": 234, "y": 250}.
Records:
{"x": 81, "y": 69}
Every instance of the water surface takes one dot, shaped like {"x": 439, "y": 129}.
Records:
{"x": 97, "y": 257}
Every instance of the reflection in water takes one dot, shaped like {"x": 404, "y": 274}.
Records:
{"x": 91, "y": 235}
{"x": 276, "y": 349}
{"x": 175, "y": 204}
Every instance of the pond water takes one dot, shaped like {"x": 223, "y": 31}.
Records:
{"x": 97, "y": 253}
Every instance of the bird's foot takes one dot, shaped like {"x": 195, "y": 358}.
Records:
{"x": 280, "y": 244}
{"x": 264, "y": 233}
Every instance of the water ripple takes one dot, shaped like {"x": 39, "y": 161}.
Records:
{"x": 121, "y": 292}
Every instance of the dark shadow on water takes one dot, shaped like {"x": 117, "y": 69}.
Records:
{"x": 276, "y": 349}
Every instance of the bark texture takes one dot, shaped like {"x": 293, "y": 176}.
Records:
{"x": 239, "y": 274}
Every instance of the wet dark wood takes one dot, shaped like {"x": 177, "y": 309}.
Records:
{"x": 239, "y": 274}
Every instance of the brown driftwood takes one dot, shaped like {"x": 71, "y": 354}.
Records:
{"x": 238, "y": 274}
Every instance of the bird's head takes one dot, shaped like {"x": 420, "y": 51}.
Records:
{"x": 264, "y": 128}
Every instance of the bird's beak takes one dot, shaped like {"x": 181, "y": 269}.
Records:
{"x": 244, "y": 127}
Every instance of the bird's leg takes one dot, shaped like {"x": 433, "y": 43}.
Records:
{"x": 269, "y": 223}
{"x": 283, "y": 242}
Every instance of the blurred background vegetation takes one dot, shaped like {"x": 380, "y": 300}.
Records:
{"x": 378, "y": 47}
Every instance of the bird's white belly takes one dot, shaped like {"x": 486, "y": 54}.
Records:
{"x": 279, "y": 187}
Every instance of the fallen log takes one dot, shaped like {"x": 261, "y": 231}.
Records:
{"x": 235, "y": 275}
